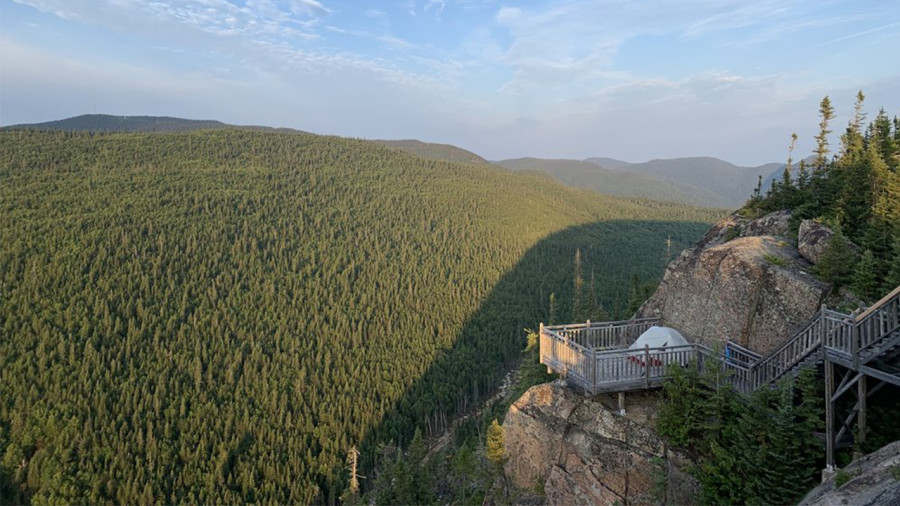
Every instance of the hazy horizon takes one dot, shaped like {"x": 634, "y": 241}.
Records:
{"x": 575, "y": 79}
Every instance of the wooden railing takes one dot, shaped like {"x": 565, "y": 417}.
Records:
{"x": 877, "y": 323}
{"x": 596, "y": 356}
{"x": 604, "y": 335}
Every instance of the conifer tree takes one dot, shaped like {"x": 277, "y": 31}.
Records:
{"x": 864, "y": 283}
{"x": 893, "y": 277}
{"x": 826, "y": 112}
{"x": 837, "y": 260}
{"x": 551, "y": 319}
{"x": 802, "y": 176}
{"x": 578, "y": 289}
{"x": 887, "y": 143}
{"x": 495, "y": 448}
{"x": 852, "y": 139}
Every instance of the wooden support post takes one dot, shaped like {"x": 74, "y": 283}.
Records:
{"x": 621, "y": 403}
{"x": 541, "y": 345}
{"x": 647, "y": 365}
{"x": 829, "y": 415}
{"x": 854, "y": 346}
{"x": 861, "y": 416}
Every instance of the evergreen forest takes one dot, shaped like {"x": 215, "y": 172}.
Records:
{"x": 219, "y": 316}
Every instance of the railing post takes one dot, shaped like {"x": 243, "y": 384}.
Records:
{"x": 854, "y": 345}
{"x": 829, "y": 414}
{"x": 541, "y": 344}
{"x": 862, "y": 394}
{"x": 822, "y": 326}
{"x": 647, "y": 365}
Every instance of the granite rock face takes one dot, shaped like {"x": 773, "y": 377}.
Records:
{"x": 812, "y": 240}
{"x": 584, "y": 452}
{"x": 735, "y": 285}
{"x": 777, "y": 224}
{"x": 874, "y": 480}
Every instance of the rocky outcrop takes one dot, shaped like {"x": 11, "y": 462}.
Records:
{"x": 871, "y": 480}
{"x": 584, "y": 452}
{"x": 812, "y": 240}
{"x": 740, "y": 286}
{"x": 777, "y": 224}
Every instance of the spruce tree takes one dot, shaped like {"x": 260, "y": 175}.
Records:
{"x": 852, "y": 139}
{"x": 864, "y": 283}
{"x": 578, "y": 313}
{"x": 495, "y": 448}
{"x": 837, "y": 260}
{"x": 826, "y": 112}
{"x": 893, "y": 278}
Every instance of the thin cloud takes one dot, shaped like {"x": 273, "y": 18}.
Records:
{"x": 854, "y": 35}
{"x": 395, "y": 42}
{"x": 569, "y": 78}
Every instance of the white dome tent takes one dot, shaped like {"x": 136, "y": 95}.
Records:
{"x": 655, "y": 337}
{"x": 659, "y": 337}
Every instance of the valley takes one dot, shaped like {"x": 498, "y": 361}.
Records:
{"x": 219, "y": 315}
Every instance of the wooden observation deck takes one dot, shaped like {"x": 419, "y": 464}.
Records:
{"x": 596, "y": 357}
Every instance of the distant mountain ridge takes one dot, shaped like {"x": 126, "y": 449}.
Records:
{"x": 704, "y": 181}
{"x": 609, "y": 163}
{"x": 587, "y": 175}
{"x": 144, "y": 124}
{"x": 110, "y": 123}
{"x": 732, "y": 184}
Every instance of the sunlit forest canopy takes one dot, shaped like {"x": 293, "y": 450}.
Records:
{"x": 218, "y": 316}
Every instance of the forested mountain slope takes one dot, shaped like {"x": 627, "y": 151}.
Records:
{"x": 445, "y": 152}
{"x": 588, "y": 175}
{"x": 218, "y": 316}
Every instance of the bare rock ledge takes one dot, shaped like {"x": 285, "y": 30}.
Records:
{"x": 585, "y": 453}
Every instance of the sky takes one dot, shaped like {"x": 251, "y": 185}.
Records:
{"x": 628, "y": 79}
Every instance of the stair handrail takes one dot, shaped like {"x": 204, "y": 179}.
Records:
{"x": 878, "y": 305}
{"x": 890, "y": 305}
{"x": 786, "y": 355}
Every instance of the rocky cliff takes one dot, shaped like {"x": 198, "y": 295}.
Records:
{"x": 871, "y": 480}
{"x": 581, "y": 451}
{"x": 745, "y": 281}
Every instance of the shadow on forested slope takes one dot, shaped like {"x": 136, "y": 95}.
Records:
{"x": 492, "y": 338}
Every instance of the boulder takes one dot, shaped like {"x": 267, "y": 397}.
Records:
{"x": 873, "y": 479}
{"x": 813, "y": 239}
{"x": 584, "y": 452}
{"x": 734, "y": 225}
{"x": 777, "y": 224}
